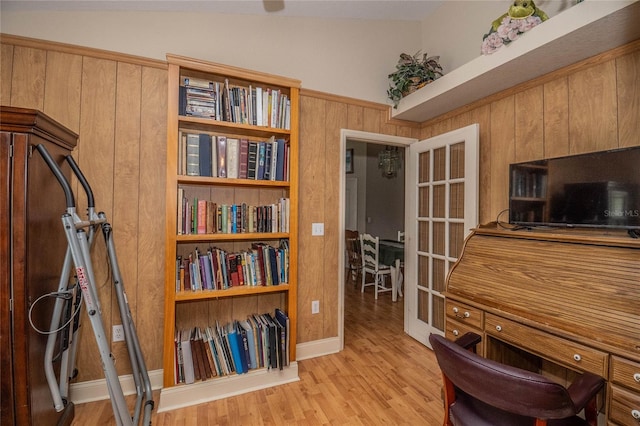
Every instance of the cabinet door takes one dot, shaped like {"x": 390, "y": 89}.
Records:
{"x": 7, "y": 408}
{"x": 38, "y": 246}
{"x": 45, "y": 247}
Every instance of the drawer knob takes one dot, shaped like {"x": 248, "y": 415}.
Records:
{"x": 455, "y": 309}
{"x": 467, "y": 314}
{"x": 456, "y": 332}
{"x": 636, "y": 377}
{"x": 635, "y": 414}
{"x": 577, "y": 357}
{"x": 498, "y": 328}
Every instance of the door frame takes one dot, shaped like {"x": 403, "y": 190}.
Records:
{"x": 359, "y": 136}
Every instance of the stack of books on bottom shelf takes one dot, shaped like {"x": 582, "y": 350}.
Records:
{"x": 260, "y": 341}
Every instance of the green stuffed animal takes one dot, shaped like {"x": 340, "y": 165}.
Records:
{"x": 520, "y": 9}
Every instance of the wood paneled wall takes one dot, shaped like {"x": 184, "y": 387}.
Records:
{"x": 589, "y": 106}
{"x": 117, "y": 103}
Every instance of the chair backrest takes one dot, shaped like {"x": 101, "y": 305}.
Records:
{"x": 507, "y": 388}
{"x": 370, "y": 247}
{"x": 352, "y": 246}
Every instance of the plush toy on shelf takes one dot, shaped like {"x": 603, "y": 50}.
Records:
{"x": 521, "y": 17}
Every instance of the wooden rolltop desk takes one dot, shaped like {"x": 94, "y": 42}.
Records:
{"x": 556, "y": 302}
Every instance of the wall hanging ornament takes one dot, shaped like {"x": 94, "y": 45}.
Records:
{"x": 521, "y": 17}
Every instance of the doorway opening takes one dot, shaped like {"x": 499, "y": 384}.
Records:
{"x": 361, "y": 211}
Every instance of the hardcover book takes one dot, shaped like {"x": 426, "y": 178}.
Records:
{"x": 252, "y": 160}
{"x": 233, "y": 158}
{"x": 244, "y": 159}
{"x": 193, "y": 154}
{"x": 222, "y": 156}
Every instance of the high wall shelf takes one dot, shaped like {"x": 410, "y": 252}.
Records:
{"x": 245, "y": 212}
{"x": 580, "y": 32}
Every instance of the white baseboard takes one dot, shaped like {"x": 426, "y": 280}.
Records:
{"x": 96, "y": 390}
{"x": 224, "y": 387}
{"x": 318, "y": 348}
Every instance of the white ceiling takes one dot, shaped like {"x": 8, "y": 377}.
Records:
{"x": 412, "y": 10}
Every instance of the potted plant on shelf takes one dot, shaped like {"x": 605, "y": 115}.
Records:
{"x": 412, "y": 73}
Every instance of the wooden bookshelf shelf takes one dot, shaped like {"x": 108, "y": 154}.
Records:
{"x": 207, "y": 124}
{"x": 201, "y": 180}
{"x": 185, "y": 296}
{"x": 194, "y": 238}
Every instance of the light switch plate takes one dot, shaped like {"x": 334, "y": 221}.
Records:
{"x": 317, "y": 229}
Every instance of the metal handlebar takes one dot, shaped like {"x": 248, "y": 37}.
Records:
{"x": 82, "y": 179}
{"x": 71, "y": 203}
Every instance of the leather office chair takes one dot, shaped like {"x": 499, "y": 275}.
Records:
{"x": 482, "y": 392}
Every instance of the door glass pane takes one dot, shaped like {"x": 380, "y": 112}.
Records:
{"x": 439, "y": 200}
{"x": 438, "y": 238}
{"x": 423, "y": 201}
{"x": 439, "y": 275}
{"x": 423, "y": 271}
{"x": 423, "y": 167}
{"x": 456, "y": 200}
{"x": 438, "y": 312}
{"x": 423, "y": 236}
{"x": 439, "y": 164}
{"x": 456, "y": 239}
{"x": 423, "y": 305}
{"x": 456, "y": 153}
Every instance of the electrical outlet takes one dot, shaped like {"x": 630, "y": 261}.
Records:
{"x": 118, "y": 333}
{"x": 315, "y": 307}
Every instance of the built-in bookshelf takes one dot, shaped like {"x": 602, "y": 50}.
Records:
{"x": 231, "y": 231}
{"x": 529, "y": 192}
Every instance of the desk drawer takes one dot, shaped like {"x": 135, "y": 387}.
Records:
{"x": 625, "y": 407}
{"x": 464, "y": 313}
{"x": 625, "y": 373}
{"x": 562, "y": 351}
{"x": 456, "y": 329}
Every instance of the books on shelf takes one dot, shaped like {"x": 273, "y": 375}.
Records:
{"x": 219, "y": 269}
{"x": 237, "y": 347}
{"x": 196, "y": 216}
{"x": 211, "y": 155}
{"x": 223, "y": 101}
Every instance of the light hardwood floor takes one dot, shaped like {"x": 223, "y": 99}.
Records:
{"x": 382, "y": 377}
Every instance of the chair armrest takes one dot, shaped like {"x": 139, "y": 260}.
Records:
{"x": 584, "y": 388}
{"x": 469, "y": 340}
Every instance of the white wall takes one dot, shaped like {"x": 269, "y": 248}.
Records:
{"x": 454, "y": 32}
{"x": 360, "y": 173}
{"x": 341, "y": 56}
{"x": 385, "y": 197}
{"x": 346, "y": 57}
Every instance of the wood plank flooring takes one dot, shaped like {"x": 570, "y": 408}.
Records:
{"x": 383, "y": 377}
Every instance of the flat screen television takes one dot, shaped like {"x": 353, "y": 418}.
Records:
{"x": 597, "y": 190}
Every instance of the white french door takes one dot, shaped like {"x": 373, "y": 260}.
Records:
{"x": 441, "y": 208}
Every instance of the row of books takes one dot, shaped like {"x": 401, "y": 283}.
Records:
{"x": 260, "y": 341}
{"x": 218, "y": 269}
{"x": 251, "y": 105}
{"x": 206, "y": 217}
{"x": 204, "y": 154}
{"x": 528, "y": 183}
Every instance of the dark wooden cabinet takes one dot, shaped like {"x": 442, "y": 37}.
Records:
{"x": 32, "y": 248}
